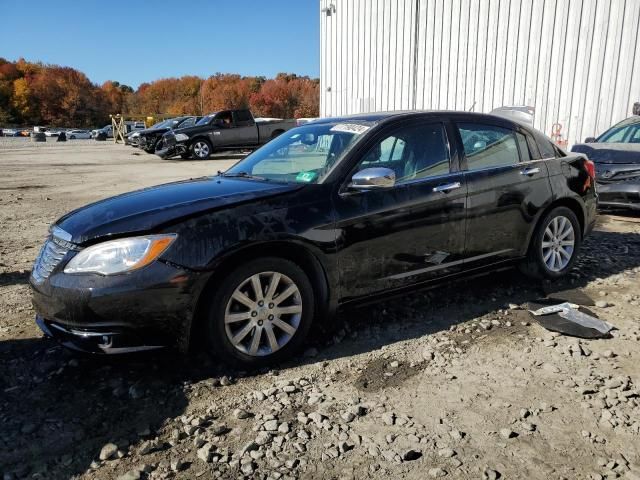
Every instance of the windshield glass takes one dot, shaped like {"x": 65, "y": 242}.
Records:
{"x": 162, "y": 124}
{"x": 206, "y": 119}
{"x": 625, "y": 132}
{"x": 302, "y": 155}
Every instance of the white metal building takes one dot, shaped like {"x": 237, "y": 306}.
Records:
{"x": 577, "y": 62}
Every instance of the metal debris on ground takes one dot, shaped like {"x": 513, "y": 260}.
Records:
{"x": 565, "y": 317}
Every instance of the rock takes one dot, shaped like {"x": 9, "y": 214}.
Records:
{"x": 316, "y": 418}
{"x": 507, "y": 433}
{"x": 388, "y": 418}
{"x": 263, "y": 438}
{"x": 219, "y": 429}
{"x": 241, "y": 414}
{"x": 490, "y": 474}
{"x": 437, "y": 472}
{"x": 225, "y": 381}
{"x": 446, "y": 452}
{"x": 608, "y": 354}
{"x": 457, "y": 434}
{"x": 603, "y": 304}
{"x": 529, "y": 427}
{"x": 205, "y": 453}
{"x": 131, "y": 475}
{"x": 108, "y": 451}
{"x": 178, "y": 465}
{"x": 348, "y": 417}
{"x": 271, "y": 425}
{"x": 284, "y": 428}
{"x": 549, "y": 367}
{"x": 394, "y": 364}
{"x": 411, "y": 455}
{"x": 249, "y": 447}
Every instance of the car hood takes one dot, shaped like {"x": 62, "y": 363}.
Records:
{"x": 146, "y": 210}
{"x": 193, "y": 129}
{"x": 154, "y": 131}
{"x": 610, "y": 152}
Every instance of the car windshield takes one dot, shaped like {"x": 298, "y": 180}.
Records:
{"x": 162, "y": 124}
{"x": 206, "y": 119}
{"x": 301, "y": 155}
{"x": 627, "y": 131}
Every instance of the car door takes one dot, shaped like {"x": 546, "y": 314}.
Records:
{"x": 411, "y": 232}
{"x": 244, "y": 129}
{"x": 221, "y": 133}
{"x": 507, "y": 186}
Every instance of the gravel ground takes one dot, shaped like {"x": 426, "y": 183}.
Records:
{"x": 456, "y": 382}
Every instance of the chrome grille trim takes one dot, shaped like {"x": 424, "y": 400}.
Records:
{"x": 48, "y": 259}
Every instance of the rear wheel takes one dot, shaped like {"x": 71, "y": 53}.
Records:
{"x": 554, "y": 246}
{"x": 200, "y": 149}
{"x": 261, "y": 313}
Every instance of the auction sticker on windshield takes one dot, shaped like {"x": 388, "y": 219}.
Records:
{"x": 350, "y": 128}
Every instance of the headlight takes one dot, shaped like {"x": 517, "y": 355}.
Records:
{"x": 119, "y": 256}
{"x": 181, "y": 137}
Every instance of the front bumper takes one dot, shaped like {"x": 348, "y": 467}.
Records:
{"x": 146, "y": 309}
{"x": 105, "y": 340}
{"x": 619, "y": 195}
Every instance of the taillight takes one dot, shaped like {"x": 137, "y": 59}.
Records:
{"x": 590, "y": 167}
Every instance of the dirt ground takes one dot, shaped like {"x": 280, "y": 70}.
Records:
{"x": 455, "y": 382}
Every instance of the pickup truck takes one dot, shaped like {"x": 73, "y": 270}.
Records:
{"x": 218, "y": 131}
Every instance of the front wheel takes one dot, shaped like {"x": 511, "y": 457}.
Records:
{"x": 72, "y": 137}
{"x": 200, "y": 149}
{"x": 261, "y": 313}
{"x": 554, "y": 246}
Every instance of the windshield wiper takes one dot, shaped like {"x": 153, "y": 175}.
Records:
{"x": 240, "y": 175}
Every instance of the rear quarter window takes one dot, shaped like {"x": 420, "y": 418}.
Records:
{"x": 547, "y": 149}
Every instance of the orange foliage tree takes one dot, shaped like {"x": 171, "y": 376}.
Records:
{"x": 35, "y": 93}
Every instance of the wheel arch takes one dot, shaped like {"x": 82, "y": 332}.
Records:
{"x": 293, "y": 251}
{"x": 569, "y": 202}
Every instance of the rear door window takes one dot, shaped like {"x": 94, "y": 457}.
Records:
{"x": 487, "y": 146}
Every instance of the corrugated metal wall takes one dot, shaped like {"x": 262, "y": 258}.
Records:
{"x": 577, "y": 62}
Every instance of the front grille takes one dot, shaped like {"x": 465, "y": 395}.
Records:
{"x": 49, "y": 257}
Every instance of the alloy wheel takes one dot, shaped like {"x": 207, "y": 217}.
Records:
{"x": 558, "y": 243}
{"x": 263, "y": 313}
{"x": 201, "y": 149}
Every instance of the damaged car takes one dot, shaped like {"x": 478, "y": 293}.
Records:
{"x": 616, "y": 154}
{"x": 220, "y": 131}
{"x": 333, "y": 213}
{"x": 150, "y": 138}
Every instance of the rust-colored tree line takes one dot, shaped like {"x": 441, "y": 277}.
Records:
{"x": 38, "y": 94}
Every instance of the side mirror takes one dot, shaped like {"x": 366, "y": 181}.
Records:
{"x": 590, "y": 140}
{"x": 373, "y": 178}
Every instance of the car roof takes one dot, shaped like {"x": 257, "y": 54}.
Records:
{"x": 379, "y": 117}
{"x": 628, "y": 121}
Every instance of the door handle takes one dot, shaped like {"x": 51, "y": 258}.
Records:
{"x": 530, "y": 171}
{"x": 447, "y": 187}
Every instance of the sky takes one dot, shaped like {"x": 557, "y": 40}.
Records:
{"x": 140, "y": 41}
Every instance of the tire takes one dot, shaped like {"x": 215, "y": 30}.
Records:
{"x": 200, "y": 149}
{"x": 253, "y": 320}
{"x": 550, "y": 244}
{"x": 72, "y": 137}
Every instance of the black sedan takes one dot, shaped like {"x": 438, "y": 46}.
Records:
{"x": 339, "y": 211}
{"x": 616, "y": 154}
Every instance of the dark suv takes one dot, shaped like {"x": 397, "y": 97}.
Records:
{"x": 338, "y": 211}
